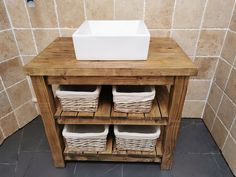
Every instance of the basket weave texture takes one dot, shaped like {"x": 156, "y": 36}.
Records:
{"x": 138, "y": 138}
{"x": 133, "y": 102}
{"x": 79, "y": 101}
{"x": 86, "y": 141}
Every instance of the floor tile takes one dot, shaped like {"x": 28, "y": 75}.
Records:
{"x": 144, "y": 170}
{"x": 195, "y": 138}
{"x": 98, "y": 169}
{"x": 7, "y": 170}
{"x": 34, "y": 138}
{"x": 9, "y": 148}
{"x": 40, "y": 164}
{"x": 195, "y": 165}
{"x": 222, "y": 165}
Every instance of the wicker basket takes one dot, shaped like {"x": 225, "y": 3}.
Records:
{"x": 139, "y": 138}
{"x": 79, "y": 98}
{"x": 133, "y": 99}
{"x": 86, "y": 137}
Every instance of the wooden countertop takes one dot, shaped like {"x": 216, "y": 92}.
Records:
{"x": 165, "y": 58}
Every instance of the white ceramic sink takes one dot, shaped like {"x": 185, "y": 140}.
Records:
{"x": 112, "y": 40}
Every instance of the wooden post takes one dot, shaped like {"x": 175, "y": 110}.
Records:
{"x": 47, "y": 107}
{"x": 176, "y": 102}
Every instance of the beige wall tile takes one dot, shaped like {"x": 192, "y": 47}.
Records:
{"x": 210, "y": 42}
{"x": 129, "y": 10}
{"x": 1, "y": 85}
{"x": 44, "y": 37}
{"x": 7, "y": 46}
{"x": 99, "y": 9}
{"x": 11, "y": 71}
{"x": 218, "y": 13}
{"x": 43, "y": 15}
{"x": 25, "y": 42}
{"x": 227, "y": 112}
{"x": 27, "y": 59}
{"x": 229, "y": 152}
{"x": 188, "y": 14}
{"x": 219, "y": 133}
{"x": 186, "y": 39}
{"x": 197, "y": 90}
{"x": 215, "y": 96}
{"x": 67, "y": 32}
{"x": 4, "y": 21}
{"x": 158, "y": 13}
{"x": 70, "y": 13}
{"x": 159, "y": 33}
{"x": 208, "y": 116}
{"x": 233, "y": 21}
{"x": 222, "y": 73}
{"x": 229, "y": 49}
{"x": 26, "y": 113}
{"x": 4, "y": 104}
{"x": 18, "y": 13}
{"x": 19, "y": 93}
{"x": 193, "y": 109}
{"x": 233, "y": 130}
{"x": 206, "y": 67}
{"x": 9, "y": 124}
{"x": 2, "y": 137}
{"x": 231, "y": 86}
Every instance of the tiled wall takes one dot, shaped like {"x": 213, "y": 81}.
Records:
{"x": 220, "y": 112}
{"x": 199, "y": 26}
{"x": 16, "y": 106}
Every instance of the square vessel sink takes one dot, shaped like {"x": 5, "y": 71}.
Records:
{"x": 112, "y": 40}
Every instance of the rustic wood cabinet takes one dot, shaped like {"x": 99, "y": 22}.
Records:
{"x": 167, "y": 67}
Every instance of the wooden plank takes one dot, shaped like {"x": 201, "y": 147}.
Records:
{"x": 136, "y": 116}
{"x": 165, "y": 58}
{"x": 58, "y": 112}
{"x": 155, "y": 111}
{"x": 111, "y": 121}
{"x": 115, "y": 114}
{"x": 162, "y": 96}
{"x": 85, "y": 114}
{"x": 104, "y": 109}
{"x": 178, "y": 93}
{"x": 112, "y": 158}
{"x": 106, "y": 80}
{"x": 67, "y": 114}
{"x": 109, "y": 146}
{"x": 47, "y": 108}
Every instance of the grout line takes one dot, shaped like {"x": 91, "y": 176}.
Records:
{"x": 114, "y": 9}
{"x": 231, "y": 64}
{"x": 5, "y": 30}
{"x": 227, "y": 80}
{"x": 57, "y": 17}
{"x": 232, "y": 31}
{"x": 13, "y": 32}
{"x": 200, "y": 29}
{"x": 172, "y": 19}
{"x": 212, "y": 80}
{"x": 32, "y": 33}
{"x": 85, "y": 11}
{"x": 229, "y": 134}
{"x": 200, "y": 80}
{"x": 144, "y": 9}
{"x": 12, "y": 58}
{"x": 15, "y": 83}
{"x": 195, "y": 100}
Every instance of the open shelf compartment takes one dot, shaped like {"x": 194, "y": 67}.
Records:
{"x": 107, "y": 116}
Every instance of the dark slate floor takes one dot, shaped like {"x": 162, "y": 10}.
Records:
{"x": 26, "y": 154}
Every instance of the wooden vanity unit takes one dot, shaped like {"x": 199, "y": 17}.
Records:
{"x": 167, "y": 67}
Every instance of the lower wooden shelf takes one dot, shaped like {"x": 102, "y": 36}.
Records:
{"x": 112, "y": 154}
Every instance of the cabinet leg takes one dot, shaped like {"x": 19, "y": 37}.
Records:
{"x": 176, "y": 102}
{"x": 47, "y": 108}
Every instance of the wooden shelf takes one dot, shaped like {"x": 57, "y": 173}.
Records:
{"x": 112, "y": 154}
{"x": 106, "y": 114}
